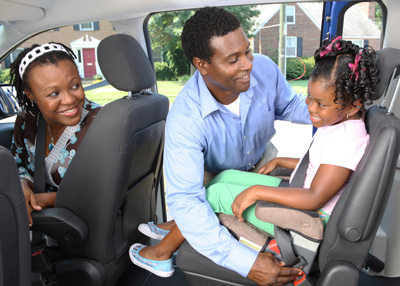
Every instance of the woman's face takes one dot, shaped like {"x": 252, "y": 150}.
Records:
{"x": 58, "y": 93}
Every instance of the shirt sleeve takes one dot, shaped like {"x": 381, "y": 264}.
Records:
{"x": 19, "y": 151}
{"x": 186, "y": 197}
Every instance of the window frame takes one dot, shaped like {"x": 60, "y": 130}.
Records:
{"x": 86, "y": 29}
{"x": 295, "y": 46}
{"x": 293, "y": 9}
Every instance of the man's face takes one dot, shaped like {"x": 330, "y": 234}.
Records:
{"x": 228, "y": 72}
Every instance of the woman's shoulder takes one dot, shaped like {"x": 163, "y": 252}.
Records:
{"x": 92, "y": 106}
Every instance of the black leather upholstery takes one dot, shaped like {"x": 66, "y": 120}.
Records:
{"x": 6, "y": 133}
{"x": 15, "y": 258}
{"x": 124, "y": 63}
{"x": 387, "y": 60}
{"x": 110, "y": 184}
{"x": 357, "y": 215}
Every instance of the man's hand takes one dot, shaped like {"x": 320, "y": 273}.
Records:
{"x": 267, "y": 270}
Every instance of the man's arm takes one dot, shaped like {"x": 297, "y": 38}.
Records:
{"x": 289, "y": 105}
{"x": 184, "y": 168}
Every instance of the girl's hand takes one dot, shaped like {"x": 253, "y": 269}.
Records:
{"x": 269, "y": 167}
{"x": 31, "y": 202}
{"x": 243, "y": 201}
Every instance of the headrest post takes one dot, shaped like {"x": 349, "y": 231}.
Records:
{"x": 389, "y": 87}
{"x": 130, "y": 94}
{"x": 396, "y": 92}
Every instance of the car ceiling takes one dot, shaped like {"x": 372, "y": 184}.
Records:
{"x": 24, "y": 18}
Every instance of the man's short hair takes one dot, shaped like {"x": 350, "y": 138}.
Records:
{"x": 205, "y": 24}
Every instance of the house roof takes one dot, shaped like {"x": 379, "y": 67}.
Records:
{"x": 313, "y": 11}
{"x": 357, "y": 25}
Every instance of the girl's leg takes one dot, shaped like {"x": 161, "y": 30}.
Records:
{"x": 164, "y": 250}
{"x": 221, "y": 196}
{"x": 245, "y": 179}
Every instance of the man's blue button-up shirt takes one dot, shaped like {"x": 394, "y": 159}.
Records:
{"x": 202, "y": 134}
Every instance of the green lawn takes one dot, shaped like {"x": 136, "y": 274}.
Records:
{"x": 168, "y": 88}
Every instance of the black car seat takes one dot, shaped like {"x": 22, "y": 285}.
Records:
{"x": 15, "y": 248}
{"x": 110, "y": 185}
{"x": 355, "y": 218}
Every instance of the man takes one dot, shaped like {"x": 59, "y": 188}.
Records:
{"x": 222, "y": 119}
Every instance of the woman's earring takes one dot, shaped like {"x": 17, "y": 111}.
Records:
{"x": 347, "y": 115}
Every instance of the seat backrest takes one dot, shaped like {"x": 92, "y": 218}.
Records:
{"x": 110, "y": 184}
{"x": 15, "y": 250}
{"x": 357, "y": 215}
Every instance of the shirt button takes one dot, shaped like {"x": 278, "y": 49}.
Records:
{"x": 244, "y": 137}
{"x": 248, "y": 152}
{"x": 249, "y": 164}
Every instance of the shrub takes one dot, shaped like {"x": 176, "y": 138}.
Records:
{"x": 295, "y": 67}
{"x": 184, "y": 78}
{"x": 5, "y": 76}
{"x": 163, "y": 71}
{"x": 97, "y": 77}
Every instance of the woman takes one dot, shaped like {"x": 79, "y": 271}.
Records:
{"x": 47, "y": 82}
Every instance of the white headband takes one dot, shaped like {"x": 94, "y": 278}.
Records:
{"x": 37, "y": 52}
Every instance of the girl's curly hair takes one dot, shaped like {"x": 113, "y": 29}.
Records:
{"x": 349, "y": 68}
{"x": 22, "y": 84}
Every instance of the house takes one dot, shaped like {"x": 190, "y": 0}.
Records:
{"x": 81, "y": 38}
{"x": 304, "y": 28}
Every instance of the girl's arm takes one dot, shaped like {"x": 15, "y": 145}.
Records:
{"x": 328, "y": 180}
{"x": 289, "y": 163}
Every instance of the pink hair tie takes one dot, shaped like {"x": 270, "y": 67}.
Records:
{"x": 354, "y": 67}
{"x": 328, "y": 48}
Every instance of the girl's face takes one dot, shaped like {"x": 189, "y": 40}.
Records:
{"x": 58, "y": 92}
{"x": 322, "y": 108}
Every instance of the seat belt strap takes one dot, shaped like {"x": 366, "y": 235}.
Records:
{"x": 284, "y": 242}
{"x": 39, "y": 182}
{"x": 300, "y": 176}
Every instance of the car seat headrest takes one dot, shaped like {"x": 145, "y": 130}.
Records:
{"x": 124, "y": 63}
{"x": 387, "y": 60}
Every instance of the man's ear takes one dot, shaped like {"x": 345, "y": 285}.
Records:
{"x": 201, "y": 65}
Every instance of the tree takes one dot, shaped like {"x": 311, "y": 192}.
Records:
{"x": 166, "y": 28}
{"x": 378, "y": 16}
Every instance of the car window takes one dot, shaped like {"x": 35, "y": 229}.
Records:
{"x": 83, "y": 39}
{"x": 363, "y": 24}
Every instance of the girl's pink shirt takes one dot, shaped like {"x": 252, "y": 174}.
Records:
{"x": 341, "y": 145}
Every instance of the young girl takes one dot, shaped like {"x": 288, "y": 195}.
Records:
{"x": 339, "y": 86}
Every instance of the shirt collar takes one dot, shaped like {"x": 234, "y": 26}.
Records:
{"x": 208, "y": 103}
